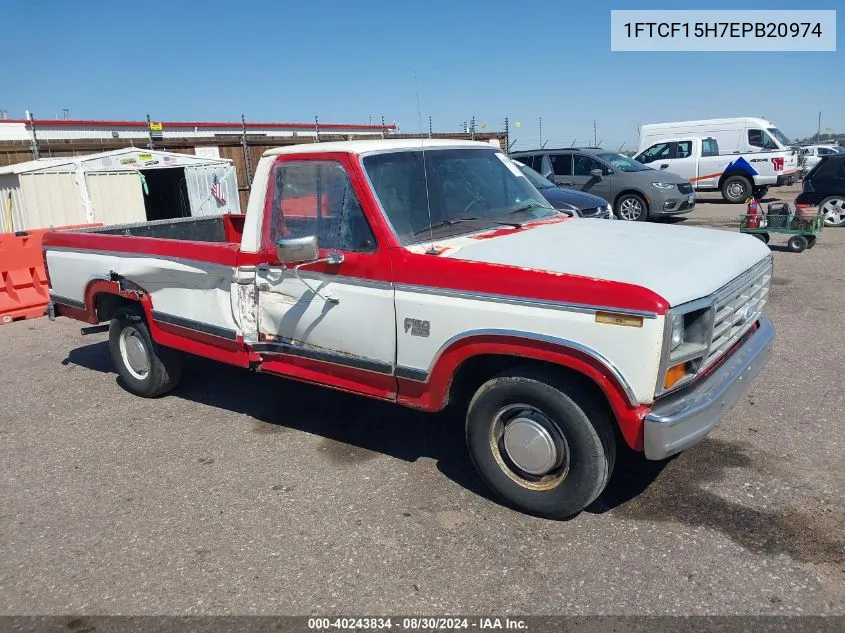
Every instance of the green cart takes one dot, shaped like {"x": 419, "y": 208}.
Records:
{"x": 804, "y": 231}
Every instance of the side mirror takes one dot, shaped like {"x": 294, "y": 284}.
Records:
{"x": 297, "y": 249}
{"x": 596, "y": 173}
{"x": 549, "y": 175}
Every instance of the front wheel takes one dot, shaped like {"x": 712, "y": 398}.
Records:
{"x": 736, "y": 189}
{"x": 760, "y": 192}
{"x": 542, "y": 448}
{"x": 145, "y": 369}
{"x": 763, "y": 237}
{"x": 631, "y": 207}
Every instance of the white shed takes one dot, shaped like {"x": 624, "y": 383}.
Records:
{"x": 125, "y": 185}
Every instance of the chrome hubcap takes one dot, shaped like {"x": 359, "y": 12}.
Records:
{"x": 529, "y": 447}
{"x": 834, "y": 212}
{"x": 630, "y": 209}
{"x": 134, "y": 353}
{"x": 736, "y": 190}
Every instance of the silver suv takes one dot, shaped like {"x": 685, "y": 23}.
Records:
{"x": 637, "y": 192}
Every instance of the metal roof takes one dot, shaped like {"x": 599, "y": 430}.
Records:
{"x": 71, "y": 162}
{"x": 235, "y": 125}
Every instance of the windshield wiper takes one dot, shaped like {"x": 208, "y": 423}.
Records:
{"x": 526, "y": 207}
{"x": 451, "y": 221}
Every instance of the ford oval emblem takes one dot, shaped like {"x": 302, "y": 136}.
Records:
{"x": 748, "y": 313}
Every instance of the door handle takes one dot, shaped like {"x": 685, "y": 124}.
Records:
{"x": 664, "y": 166}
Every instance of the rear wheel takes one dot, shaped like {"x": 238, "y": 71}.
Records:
{"x": 145, "y": 368}
{"x": 632, "y": 207}
{"x": 760, "y": 192}
{"x": 542, "y": 448}
{"x": 736, "y": 189}
{"x": 811, "y": 241}
{"x": 833, "y": 211}
{"x": 798, "y": 243}
{"x": 763, "y": 237}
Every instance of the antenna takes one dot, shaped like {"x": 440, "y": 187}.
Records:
{"x": 430, "y": 250}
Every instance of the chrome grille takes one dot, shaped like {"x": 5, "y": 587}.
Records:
{"x": 737, "y": 308}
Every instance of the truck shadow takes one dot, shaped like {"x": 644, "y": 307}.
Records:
{"x": 356, "y": 429}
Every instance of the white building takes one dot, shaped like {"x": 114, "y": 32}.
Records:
{"x": 46, "y": 130}
{"x": 120, "y": 186}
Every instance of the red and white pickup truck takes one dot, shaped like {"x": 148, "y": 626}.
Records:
{"x": 430, "y": 272}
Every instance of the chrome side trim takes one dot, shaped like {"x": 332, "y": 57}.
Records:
{"x": 196, "y": 326}
{"x": 325, "y": 356}
{"x": 73, "y": 303}
{"x": 341, "y": 279}
{"x": 600, "y": 358}
{"x": 411, "y": 373}
{"x": 538, "y": 303}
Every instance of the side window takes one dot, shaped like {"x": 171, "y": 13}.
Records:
{"x": 657, "y": 152}
{"x": 317, "y": 198}
{"x": 582, "y": 165}
{"x": 760, "y": 138}
{"x": 823, "y": 151}
{"x": 684, "y": 149}
{"x": 561, "y": 164}
{"x": 709, "y": 147}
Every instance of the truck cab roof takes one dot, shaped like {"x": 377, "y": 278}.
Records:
{"x": 377, "y": 145}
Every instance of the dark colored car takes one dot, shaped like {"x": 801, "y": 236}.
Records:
{"x": 584, "y": 205}
{"x": 824, "y": 188}
{"x": 636, "y": 192}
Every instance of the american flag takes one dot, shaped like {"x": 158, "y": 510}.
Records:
{"x": 217, "y": 190}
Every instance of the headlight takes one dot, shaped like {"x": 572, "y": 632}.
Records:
{"x": 677, "y": 331}
{"x": 663, "y": 185}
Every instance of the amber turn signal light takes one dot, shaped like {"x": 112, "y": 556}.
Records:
{"x": 674, "y": 374}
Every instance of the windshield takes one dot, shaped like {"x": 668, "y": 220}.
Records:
{"x": 455, "y": 190}
{"x": 534, "y": 177}
{"x": 779, "y": 136}
{"x": 623, "y": 163}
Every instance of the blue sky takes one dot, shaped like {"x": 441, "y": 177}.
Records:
{"x": 347, "y": 61}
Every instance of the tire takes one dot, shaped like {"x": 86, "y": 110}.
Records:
{"x": 798, "y": 243}
{"x": 145, "y": 369}
{"x": 811, "y": 241}
{"x": 631, "y": 207}
{"x": 760, "y": 192}
{"x": 503, "y": 419}
{"x": 833, "y": 209}
{"x": 736, "y": 189}
{"x": 763, "y": 237}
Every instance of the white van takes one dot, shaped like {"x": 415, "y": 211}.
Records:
{"x": 734, "y": 136}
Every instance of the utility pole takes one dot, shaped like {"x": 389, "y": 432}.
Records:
{"x": 819, "y": 133}
{"x": 316, "y": 129}
{"x": 382, "y": 126}
{"x": 429, "y": 126}
{"x": 594, "y": 134}
{"x": 541, "y": 131}
{"x": 36, "y": 152}
{"x": 150, "y": 144}
{"x": 507, "y": 137}
{"x": 245, "y": 147}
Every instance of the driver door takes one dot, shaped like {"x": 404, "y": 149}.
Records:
{"x": 328, "y": 315}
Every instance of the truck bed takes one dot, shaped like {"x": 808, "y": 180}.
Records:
{"x": 218, "y": 228}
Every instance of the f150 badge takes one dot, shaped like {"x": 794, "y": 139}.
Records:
{"x": 417, "y": 327}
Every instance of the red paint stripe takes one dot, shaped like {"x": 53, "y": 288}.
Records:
{"x": 181, "y": 125}
{"x": 705, "y": 177}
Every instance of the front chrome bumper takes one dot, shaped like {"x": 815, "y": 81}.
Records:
{"x": 680, "y": 422}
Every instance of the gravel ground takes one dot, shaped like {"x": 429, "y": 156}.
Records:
{"x": 246, "y": 494}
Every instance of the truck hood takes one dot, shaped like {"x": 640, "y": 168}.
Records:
{"x": 677, "y": 262}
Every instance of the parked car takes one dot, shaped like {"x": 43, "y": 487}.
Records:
{"x": 431, "y": 272}
{"x": 738, "y": 176}
{"x": 824, "y": 189}
{"x": 636, "y": 192}
{"x": 584, "y": 205}
{"x": 812, "y": 154}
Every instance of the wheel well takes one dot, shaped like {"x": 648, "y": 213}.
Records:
{"x": 477, "y": 370}
{"x": 741, "y": 174}
{"x": 106, "y": 304}
{"x": 631, "y": 191}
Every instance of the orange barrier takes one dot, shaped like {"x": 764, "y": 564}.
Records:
{"x": 24, "y": 292}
